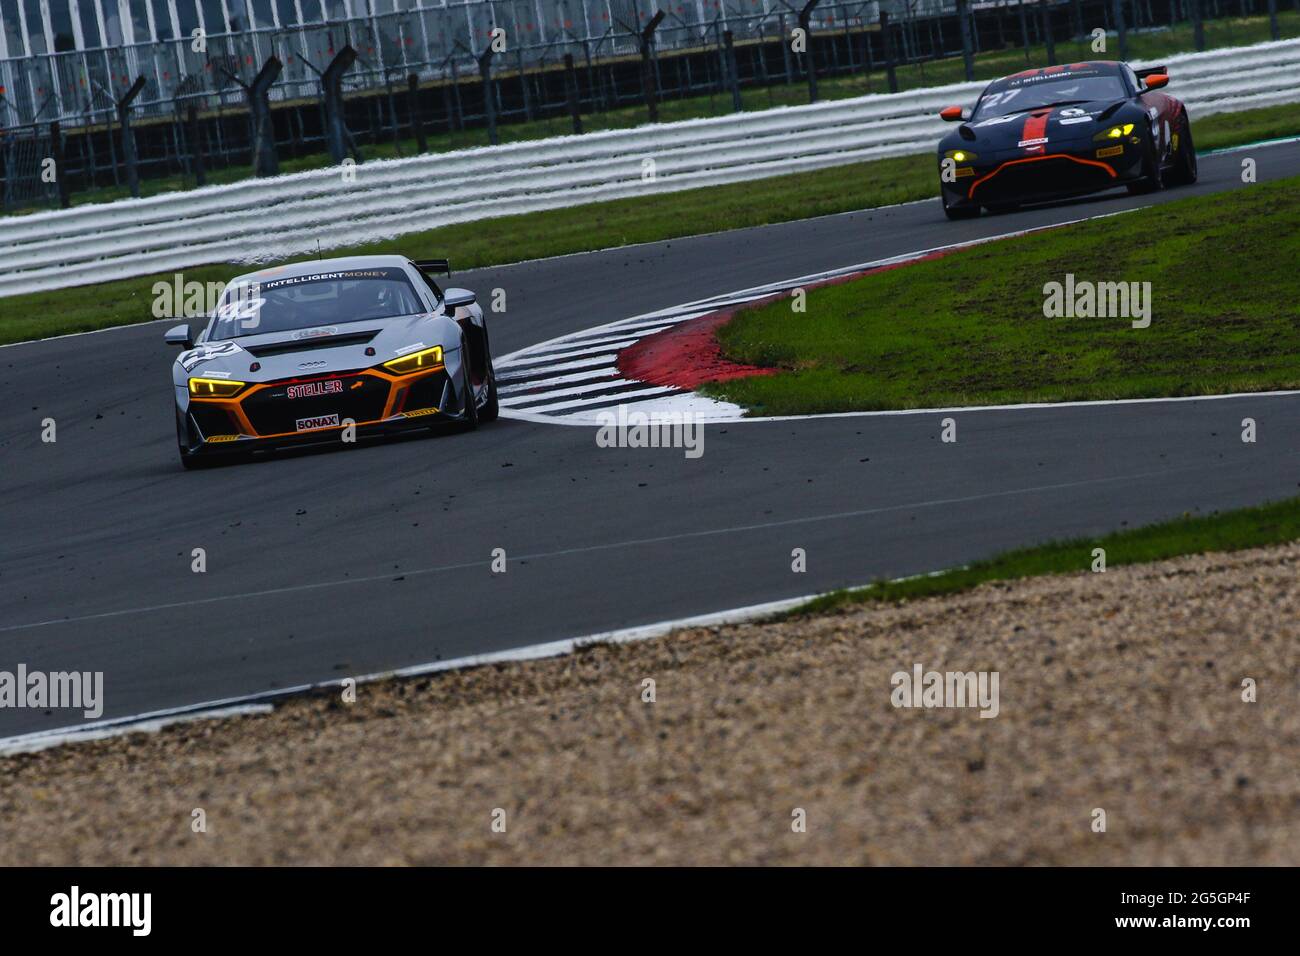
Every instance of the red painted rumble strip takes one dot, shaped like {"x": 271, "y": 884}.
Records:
{"x": 688, "y": 354}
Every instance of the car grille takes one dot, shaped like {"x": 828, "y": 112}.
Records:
{"x": 426, "y": 392}
{"x": 1043, "y": 177}
{"x": 270, "y": 411}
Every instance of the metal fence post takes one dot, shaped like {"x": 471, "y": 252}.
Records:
{"x": 413, "y": 107}
{"x": 489, "y": 98}
{"x": 196, "y": 151}
{"x": 1120, "y": 26}
{"x": 733, "y": 77}
{"x": 810, "y": 63}
{"x": 785, "y": 51}
{"x": 265, "y": 161}
{"x": 1024, "y": 27}
{"x": 336, "y": 130}
{"x": 967, "y": 54}
{"x": 647, "y": 70}
{"x": 887, "y": 40}
{"x": 571, "y": 92}
{"x": 455, "y": 110}
{"x": 128, "y": 136}
{"x": 60, "y": 175}
{"x": 1045, "y": 12}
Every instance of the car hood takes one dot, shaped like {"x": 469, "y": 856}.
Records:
{"x": 1053, "y": 125}
{"x": 316, "y": 350}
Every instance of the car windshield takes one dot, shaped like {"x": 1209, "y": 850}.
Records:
{"x": 1019, "y": 94}
{"x": 312, "y": 301}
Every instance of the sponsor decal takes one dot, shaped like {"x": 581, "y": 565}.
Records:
{"x": 312, "y": 364}
{"x": 316, "y": 333}
{"x": 1110, "y": 151}
{"x": 1037, "y": 141}
{"x": 319, "y": 421}
{"x": 409, "y": 348}
{"x": 311, "y": 389}
{"x": 1073, "y": 111}
{"x": 1076, "y": 119}
{"x": 337, "y": 276}
{"x": 205, "y": 353}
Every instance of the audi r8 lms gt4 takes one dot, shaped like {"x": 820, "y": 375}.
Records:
{"x": 319, "y": 351}
{"x": 1064, "y": 131}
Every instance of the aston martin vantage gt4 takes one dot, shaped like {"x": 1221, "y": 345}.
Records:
{"x": 1064, "y": 131}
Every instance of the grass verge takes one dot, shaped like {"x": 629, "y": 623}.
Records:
{"x": 1256, "y": 527}
{"x": 970, "y": 328}
{"x": 589, "y": 227}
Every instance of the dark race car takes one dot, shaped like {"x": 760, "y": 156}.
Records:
{"x": 330, "y": 350}
{"x": 1064, "y": 131}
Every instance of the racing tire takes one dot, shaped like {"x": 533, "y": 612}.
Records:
{"x": 492, "y": 407}
{"x": 960, "y": 212}
{"x": 1152, "y": 180}
{"x": 1184, "y": 171}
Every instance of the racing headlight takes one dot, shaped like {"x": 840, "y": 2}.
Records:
{"x": 960, "y": 155}
{"x": 215, "y": 387}
{"x": 1115, "y": 132}
{"x": 425, "y": 360}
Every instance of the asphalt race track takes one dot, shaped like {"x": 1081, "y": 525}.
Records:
{"x": 325, "y": 565}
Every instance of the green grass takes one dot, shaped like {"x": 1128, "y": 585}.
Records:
{"x": 969, "y": 328}
{"x": 1269, "y": 524}
{"x": 989, "y": 65}
{"x": 1248, "y": 126}
{"x": 593, "y": 226}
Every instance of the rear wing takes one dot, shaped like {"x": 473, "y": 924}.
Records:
{"x": 434, "y": 265}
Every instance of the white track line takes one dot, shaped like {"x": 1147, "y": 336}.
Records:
{"x": 607, "y": 373}
{"x": 630, "y": 397}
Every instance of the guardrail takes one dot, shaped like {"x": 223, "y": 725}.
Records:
{"x": 259, "y": 220}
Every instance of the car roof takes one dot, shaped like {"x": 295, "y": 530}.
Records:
{"x": 317, "y": 266}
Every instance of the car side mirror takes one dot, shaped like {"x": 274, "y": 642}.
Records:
{"x": 457, "y": 299}
{"x": 1157, "y": 80}
{"x": 179, "y": 335}
{"x": 953, "y": 114}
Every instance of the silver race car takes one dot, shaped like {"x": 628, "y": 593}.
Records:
{"x": 328, "y": 351}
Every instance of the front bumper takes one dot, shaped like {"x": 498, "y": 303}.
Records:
{"x": 1023, "y": 176}
{"x": 372, "y": 401}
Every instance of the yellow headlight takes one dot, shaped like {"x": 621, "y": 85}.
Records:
{"x": 425, "y": 360}
{"x": 960, "y": 155}
{"x": 215, "y": 387}
{"x": 1115, "y": 132}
